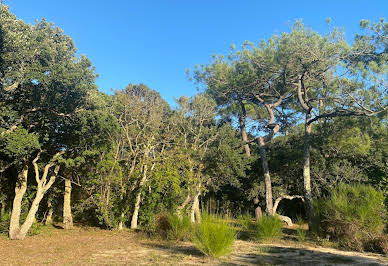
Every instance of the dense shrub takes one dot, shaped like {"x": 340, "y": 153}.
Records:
{"x": 4, "y": 223}
{"x": 353, "y": 215}
{"x": 214, "y": 236}
{"x": 268, "y": 228}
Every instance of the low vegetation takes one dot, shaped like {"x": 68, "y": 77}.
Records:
{"x": 354, "y": 216}
{"x": 214, "y": 236}
{"x": 294, "y": 125}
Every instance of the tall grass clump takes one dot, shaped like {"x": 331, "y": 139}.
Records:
{"x": 245, "y": 221}
{"x": 268, "y": 228}
{"x": 352, "y": 215}
{"x": 301, "y": 233}
{"x": 214, "y": 236}
{"x": 178, "y": 227}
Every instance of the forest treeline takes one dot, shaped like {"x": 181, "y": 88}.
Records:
{"x": 288, "y": 118}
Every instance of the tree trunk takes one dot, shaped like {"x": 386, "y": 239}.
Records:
{"x": 121, "y": 223}
{"x": 31, "y": 214}
{"x": 49, "y": 217}
{"x": 244, "y": 135}
{"x": 183, "y": 205}
{"x": 267, "y": 177}
{"x": 196, "y": 208}
{"x": 306, "y": 166}
{"x": 20, "y": 189}
{"x": 138, "y": 198}
{"x": 67, "y": 216}
{"x": 258, "y": 213}
{"x": 2, "y": 210}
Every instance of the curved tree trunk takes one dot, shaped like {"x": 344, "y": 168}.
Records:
{"x": 20, "y": 189}
{"x": 183, "y": 205}
{"x": 67, "y": 216}
{"x": 15, "y": 230}
{"x": 138, "y": 199}
{"x": 267, "y": 177}
{"x": 275, "y": 207}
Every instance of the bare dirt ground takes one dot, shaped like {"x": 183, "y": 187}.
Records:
{"x": 81, "y": 246}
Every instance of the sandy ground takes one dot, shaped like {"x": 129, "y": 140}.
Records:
{"x": 82, "y": 246}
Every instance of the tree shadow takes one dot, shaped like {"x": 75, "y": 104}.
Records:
{"x": 176, "y": 249}
{"x": 301, "y": 256}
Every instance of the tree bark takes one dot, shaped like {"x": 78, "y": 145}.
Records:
{"x": 267, "y": 177}
{"x": 138, "y": 199}
{"x": 183, "y": 205}
{"x": 20, "y": 189}
{"x": 67, "y": 216}
{"x": 49, "y": 217}
{"x": 16, "y": 231}
{"x": 306, "y": 166}
{"x": 244, "y": 135}
{"x": 2, "y": 210}
{"x": 121, "y": 223}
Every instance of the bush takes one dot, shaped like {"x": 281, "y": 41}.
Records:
{"x": 378, "y": 245}
{"x": 214, "y": 236}
{"x": 35, "y": 229}
{"x": 352, "y": 215}
{"x": 4, "y": 223}
{"x": 268, "y": 228}
{"x": 178, "y": 227}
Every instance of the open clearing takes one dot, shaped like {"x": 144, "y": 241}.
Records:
{"x": 87, "y": 245}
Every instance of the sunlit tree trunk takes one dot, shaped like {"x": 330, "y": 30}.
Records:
{"x": 138, "y": 199}
{"x": 267, "y": 177}
{"x": 306, "y": 166}
{"x": 49, "y": 217}
{"x": 183, "y": 205}
{"x": 67, "y": 215}
{"x": 20, "y": 189}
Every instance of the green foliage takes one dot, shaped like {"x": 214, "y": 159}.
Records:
{"x": 179, "y": 227}
{"x": 35, "y": 229}
{"x": 268, "y": 228}
{"x": 214, "y": 236}
{"x": 301, "y": 233}
{"x": 4, "y": 223}
{"x": 351, "y": 215}
{"x": 245, "y": 221}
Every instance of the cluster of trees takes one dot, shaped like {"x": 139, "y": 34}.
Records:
{"x": 285, "y": 119}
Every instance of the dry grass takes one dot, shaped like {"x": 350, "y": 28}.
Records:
{"x": 81, "y": 246}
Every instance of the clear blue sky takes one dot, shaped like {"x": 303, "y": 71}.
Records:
{"x": 153, "y": 42}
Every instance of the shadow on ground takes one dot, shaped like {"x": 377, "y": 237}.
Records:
{"x": 299, "y": 256}
{"x": 176, "y": 249}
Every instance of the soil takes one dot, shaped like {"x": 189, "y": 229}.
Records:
{"x": 86, "y": 245}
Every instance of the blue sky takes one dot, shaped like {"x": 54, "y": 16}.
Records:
{"x": 154, "y": 42}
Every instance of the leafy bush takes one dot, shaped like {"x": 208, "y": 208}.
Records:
{"x": 4, "y": 223}
{"x": 352, "y": 215}
{"x": 268, "y": 228}
{"x": 214, "y": 236}
{"x": 36, "y": 229}
{"x": 179, "y": 227}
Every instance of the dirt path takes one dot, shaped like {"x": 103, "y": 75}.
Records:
{"x": 95, "y": 246}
